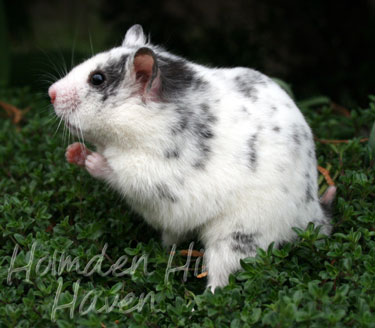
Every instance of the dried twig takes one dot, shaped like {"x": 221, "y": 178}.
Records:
{"x": 340, "y": 109}
{"x": 326, "y": 175}
{"x": 13, "y": 112}
{"x": 202, "y": 275}
{"x": 193, "y": 253}
{"x": 325, "y": 141}
{"x": 50, "y": 227}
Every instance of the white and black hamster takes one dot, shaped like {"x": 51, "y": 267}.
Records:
{"x": 221, "y": 152}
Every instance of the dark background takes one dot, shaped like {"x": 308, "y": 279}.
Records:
{"x": 319, "y": 47}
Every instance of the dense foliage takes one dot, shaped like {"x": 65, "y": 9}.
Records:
{"x": 52, "y": 210}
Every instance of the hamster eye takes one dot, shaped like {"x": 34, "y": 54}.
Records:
{"x": 97, "y": 78}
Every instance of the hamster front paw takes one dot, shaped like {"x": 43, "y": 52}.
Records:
{"x": 77, "y": 153}
{"x": 97, "y": 166}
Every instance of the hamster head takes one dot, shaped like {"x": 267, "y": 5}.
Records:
{"x": 103, "y": 99}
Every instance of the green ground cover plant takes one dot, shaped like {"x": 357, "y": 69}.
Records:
{"x": 50, "y": 210}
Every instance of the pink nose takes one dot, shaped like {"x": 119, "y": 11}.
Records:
{"x": 52, "y": 94}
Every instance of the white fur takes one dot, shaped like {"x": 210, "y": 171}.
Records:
{"x": 224, "y": 197}
{"x": 134, "y": 37}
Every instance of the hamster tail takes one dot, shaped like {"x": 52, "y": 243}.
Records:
{"x": 327, "y": 199}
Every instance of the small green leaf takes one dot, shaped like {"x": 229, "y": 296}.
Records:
{"x": 116, "y": 288}
{"x": 314, "y": 102}
{"x": 371, "y": 141}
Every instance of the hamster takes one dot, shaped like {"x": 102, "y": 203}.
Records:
{"x": 221, "y": 152}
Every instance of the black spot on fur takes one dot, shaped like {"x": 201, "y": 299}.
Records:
{"x": 295, "y": 135}
{"x": 309, "y": 189}
{"x": 246, "y": 89}
{"x": 183, "y": 121}
{"x": 164, "y": 193}
{"x": 243, "y": 243}
{"x": 199, "y": 84}
{"x": 305, "y": 135}
{"x": 202, "y": 129}
{"x": 197, "y": 124}
{"x": 205, "y": 107}
{"x": 296, "y": 138}
{"x": 200, "y": 164}
{"x": 176, "y": 77}
{"x": 204, "y": 152}
{"x": 172, "y": 154}
{"x": 208, "y": 115}
{"x": 310, "y": 153}
{"x": 114, "y": 72}
{"x": 253, "y": 156}
{"x": 276, "y": 128}
{"x": 273, "y": 110}
{"x": 247, "y": 84}
{"x": 309, "y": 195}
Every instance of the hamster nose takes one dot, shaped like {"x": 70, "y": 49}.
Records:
{"x": 52, "y": 94}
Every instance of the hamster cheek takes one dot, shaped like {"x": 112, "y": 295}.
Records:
{"x": 76, "y": 153}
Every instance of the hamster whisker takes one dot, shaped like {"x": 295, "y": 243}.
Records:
{"x": 91, "y": 46}
{"x": 58, "y": 126}
{"x": 64, "y": 66}
{"x": 51, "y": 118}
{"x": 73, "y": 50}
{"x": 80, "y": 131}
{"x": 64, "y": 69}
{"x": 47, "y": 78}
{"x": 77, "y": 123}
{"x": 59, "y": 71}
{"x": 64, "y": 134}
{"x": 47, "y": 108}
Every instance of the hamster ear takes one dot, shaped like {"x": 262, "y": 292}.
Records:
{"x": 146, "y": 71}
{"x": 134, "y": 37}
